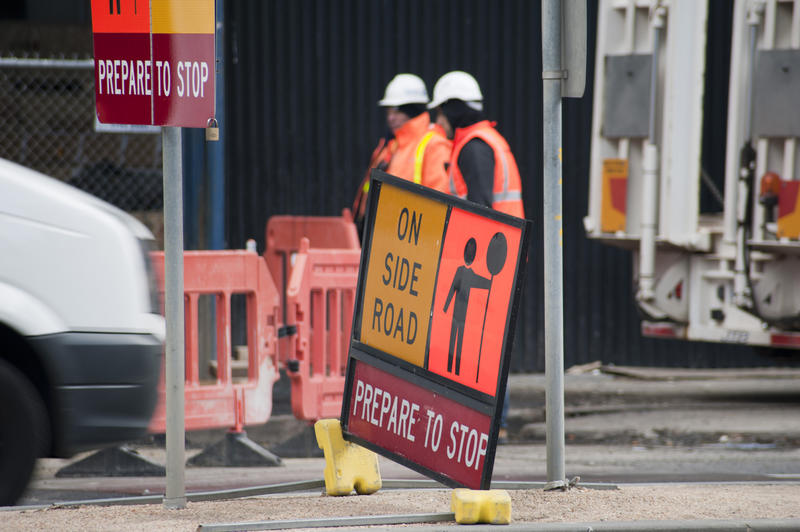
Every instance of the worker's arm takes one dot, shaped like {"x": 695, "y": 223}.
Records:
{"x": 434, "y": 173}
{"x": 476, "y": 162}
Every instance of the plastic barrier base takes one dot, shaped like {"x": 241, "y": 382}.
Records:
{"x": 481, "y": 506}
{"x": 235, "y": 450}
{"x": 113, "y": 462}
{"x": 347, "y": 466}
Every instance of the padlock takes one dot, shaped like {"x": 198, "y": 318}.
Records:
{"x": 212, "y": 130}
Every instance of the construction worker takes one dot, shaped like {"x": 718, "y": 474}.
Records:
{"x": 415, "y": 149}
{"x": 482, "y": 168}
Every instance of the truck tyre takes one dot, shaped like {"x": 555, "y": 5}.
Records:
{"x": 23, "y": 432}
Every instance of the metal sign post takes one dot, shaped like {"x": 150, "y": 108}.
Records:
{"x": 175, "y": 497}
{"x": 155, "y": 66}
{"x": 553, "y": 73}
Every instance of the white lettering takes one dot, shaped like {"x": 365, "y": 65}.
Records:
{"x": 109, "y": 76}
{"x": 203, "y": 76}
{"x": 411, "y": 420}
{"x": 148, "y": 87}
{"x": 159, "y": 76}
{"x": 393, "y": 416}
{"x": 367, "y": 401}
{"x": 386, "y": 404}
{"x": 195, "y": 79}
{"x": 405, "y": 408}
{"x": 378, "y": 392}
{"x": 482, "y": 446}
{"x": 167, "y": 79}
{"x": 359, "y": 395}
{"x": 435, "y": 434}
{"x": 187, "y": 65}
{"x": 116, "y": 76}
{"x": 451, "y": 451}
{"x": 464, "y": 431}
{"x": 471, "y": 445}
{"x": 132, "y": 79}
{"x": 139, "y": 78}
{"x": 101, "y": 75}
{"x": 124, "y": 76}
{"x": 180, "y": 78}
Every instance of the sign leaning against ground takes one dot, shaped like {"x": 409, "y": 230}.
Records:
{"x": 437, "y": 297}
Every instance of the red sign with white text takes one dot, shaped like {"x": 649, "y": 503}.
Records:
{"x": 154, "y": 62}
{"x": 420, "y": 425}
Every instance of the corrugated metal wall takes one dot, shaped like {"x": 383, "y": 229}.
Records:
{"x": 303, "y": 79}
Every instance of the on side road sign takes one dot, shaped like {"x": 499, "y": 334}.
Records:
{"x": 154, "y": 62}
{"x": 437, "y": 297}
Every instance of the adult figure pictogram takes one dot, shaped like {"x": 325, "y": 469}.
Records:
{"x": 463, "y": 282}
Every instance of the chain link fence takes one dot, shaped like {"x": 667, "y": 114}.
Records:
{"x": 49, "y": 125}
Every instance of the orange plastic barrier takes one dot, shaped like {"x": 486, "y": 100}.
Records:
{"x": 226, "y": 403}
{"x": 283, "y": 236}
{"x": 320, "y": 297}
{"x": 317, "y": 286}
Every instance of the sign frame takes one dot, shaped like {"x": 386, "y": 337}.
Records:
{"x": 415, "y": 376}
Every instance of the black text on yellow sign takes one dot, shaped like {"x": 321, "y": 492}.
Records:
{"x": 403, "y": 260}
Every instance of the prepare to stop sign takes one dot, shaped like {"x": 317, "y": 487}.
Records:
{"x": 154, "y": 62}
{"x": 438, "y": 286}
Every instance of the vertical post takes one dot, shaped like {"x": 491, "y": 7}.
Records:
{"x": 552, "y": 75}
{"x": 215, "y": 238}
{"x": 650, "y": 164}
{"x": 175, "y": 497}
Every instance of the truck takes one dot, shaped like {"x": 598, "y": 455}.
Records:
{"x": 81, "y": 332}
{"x": 729, "y": 274}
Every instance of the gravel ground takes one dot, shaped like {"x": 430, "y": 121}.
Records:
{"x": 628, "y": 503}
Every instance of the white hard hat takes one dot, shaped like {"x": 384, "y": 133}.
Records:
{"x": 457, "y": 85}
{"x": 404, "y": 89}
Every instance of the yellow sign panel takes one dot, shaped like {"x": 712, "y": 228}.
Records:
{"x": 182, "y": 16}
{"x": 403, "y": 260}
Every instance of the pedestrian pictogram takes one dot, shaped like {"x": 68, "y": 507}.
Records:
{"x": 438, "y": 288}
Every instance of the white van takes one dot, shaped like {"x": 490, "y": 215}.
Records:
{"x": 81, "y": 334}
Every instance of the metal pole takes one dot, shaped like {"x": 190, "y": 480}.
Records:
{"x": 649, "y": 223}
{"x": 216, "y": 150}
{"x": 553, "y": 258}
{"x": 175, "y": 497}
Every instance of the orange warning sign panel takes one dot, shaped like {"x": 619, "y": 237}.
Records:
{"x": 121, "y": 16}
{"x": 406, "y": 240}
{"x": 477, "y": 272}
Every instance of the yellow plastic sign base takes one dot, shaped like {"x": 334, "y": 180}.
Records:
{"x": 347, "y": 466}
{"x": 481, "y": 506}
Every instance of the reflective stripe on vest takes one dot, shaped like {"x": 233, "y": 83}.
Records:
{"x": 453, "y": 190}
{"x": 418, "y": 156}
{"x": 502, "y": 195}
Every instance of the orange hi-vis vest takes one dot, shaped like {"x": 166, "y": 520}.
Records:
{"x": 507, "y": 186}
{"x": 418, "y": 152}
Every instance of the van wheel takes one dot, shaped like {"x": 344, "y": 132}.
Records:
{"x": 23, "y": 432}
